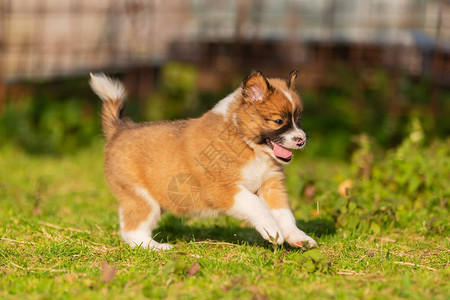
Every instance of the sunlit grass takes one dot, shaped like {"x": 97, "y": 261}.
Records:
{"x": 59, "y": 223}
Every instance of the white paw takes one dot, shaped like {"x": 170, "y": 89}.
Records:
{"x": 161, "y": 247}
{"x": 150, "y": 245}
{"x": 298, "y": 238}
{"x": 271, "y": 233}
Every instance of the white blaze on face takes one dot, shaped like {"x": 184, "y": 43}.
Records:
{"x": 288, "y": 95}
{"x": 295, "y": 132}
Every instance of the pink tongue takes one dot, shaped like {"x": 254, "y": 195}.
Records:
{"x": 281, "y": 152}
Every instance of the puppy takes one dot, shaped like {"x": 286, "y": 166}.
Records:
{"x": 230, "y": 161}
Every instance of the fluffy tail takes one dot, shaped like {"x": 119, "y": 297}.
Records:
{"x": 112, "y": 93}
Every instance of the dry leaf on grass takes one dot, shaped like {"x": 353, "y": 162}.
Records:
{"x": 194, "y": 269}
{"x": 108, "y": 272}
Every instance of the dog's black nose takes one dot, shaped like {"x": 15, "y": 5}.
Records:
{"x": 300, "y": 140}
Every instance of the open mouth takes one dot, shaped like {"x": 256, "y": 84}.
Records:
{"x": 282, "y": 153}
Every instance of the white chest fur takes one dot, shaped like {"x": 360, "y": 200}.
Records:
{"x": 257, "y": 171}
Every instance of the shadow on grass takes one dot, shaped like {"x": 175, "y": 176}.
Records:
{"x": 228, "y": 230}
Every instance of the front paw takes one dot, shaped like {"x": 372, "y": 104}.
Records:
{"x": 299, "y": 239}
{"x": 271, "y": 233}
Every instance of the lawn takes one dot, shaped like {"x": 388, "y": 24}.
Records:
{"x": 385, "y": 236}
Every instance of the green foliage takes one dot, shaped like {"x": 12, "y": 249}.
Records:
{"x": 176, "y": 97}
{"x": 375, "y": 102}
{"x": 382, "y": 188}
{"x": 408, "y": 182}
{"x": 63, "y": 115}
{"x": 314, "y": 261}
{"x": 46, "y": 126}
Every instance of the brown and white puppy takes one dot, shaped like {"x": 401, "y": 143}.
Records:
{"x": 230, "y": 160}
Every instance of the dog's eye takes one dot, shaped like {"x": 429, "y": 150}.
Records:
{"x": 278, "y": 121}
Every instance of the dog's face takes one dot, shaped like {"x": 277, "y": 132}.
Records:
{"x": 269, "y": 115}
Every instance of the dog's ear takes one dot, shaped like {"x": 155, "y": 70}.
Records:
{"x": 256, "y": 87}
{"x": 290, "y": 81}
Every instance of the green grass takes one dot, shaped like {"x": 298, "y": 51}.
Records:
{"x": 58, "y": 225}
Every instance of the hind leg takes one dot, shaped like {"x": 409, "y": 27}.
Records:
{"x": 138, "y": 215}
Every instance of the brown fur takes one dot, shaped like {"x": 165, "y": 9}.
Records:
{"x": 128, "y": 164}
{"x": 274, "y": 193}
{"x": 110, "y": 117}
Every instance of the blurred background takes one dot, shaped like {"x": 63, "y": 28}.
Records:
{"x": 380, "y": 68}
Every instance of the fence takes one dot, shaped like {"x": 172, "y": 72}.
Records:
{"x": 53, "y": 38}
